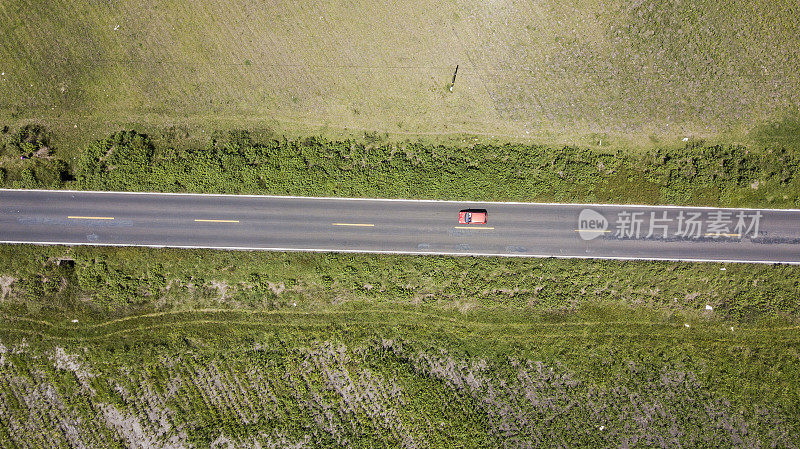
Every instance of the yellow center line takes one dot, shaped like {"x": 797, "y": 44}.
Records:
{"x": 216, "y": 221}
{"x": 368, "y": 225}
{"x": 718, "y": 234}
{"x": 77, "y": 217}
{"x": 590, "y": 230}
{"x": 473, "y": 227}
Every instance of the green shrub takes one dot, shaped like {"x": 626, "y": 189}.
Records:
{"x": 233, "y": 163}
{"x": 26, "y": 141}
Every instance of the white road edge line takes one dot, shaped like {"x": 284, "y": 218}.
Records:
{"x": 666, "y": 206}
{"x": 83, "y": 217}
{"x": 416, "y": 253}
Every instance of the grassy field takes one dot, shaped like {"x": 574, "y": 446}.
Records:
{"x": 385, "y": 378}
{"x": 584, "y": 73}
{"x": 130, "y": 347}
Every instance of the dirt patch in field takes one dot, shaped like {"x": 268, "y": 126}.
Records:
{"x": 221, "y": 287}
{"x": 5, "y": 286}
{"x": 276, "y": 288}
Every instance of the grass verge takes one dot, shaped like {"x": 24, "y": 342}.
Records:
{"x": 78, "y": 282}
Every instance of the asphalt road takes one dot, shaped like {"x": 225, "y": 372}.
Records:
{"x": 399, "y": 226}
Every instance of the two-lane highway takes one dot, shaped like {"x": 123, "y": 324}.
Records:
{"x": 399, "y": 226}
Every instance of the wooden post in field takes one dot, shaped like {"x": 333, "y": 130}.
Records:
{"x": 453, "y": 83}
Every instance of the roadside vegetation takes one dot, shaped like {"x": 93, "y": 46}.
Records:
{"x": 52, "y": 280}
{"x": 233, "y": 162}
{"x": 59, "y": 282}
{"x": 126, "y": 346}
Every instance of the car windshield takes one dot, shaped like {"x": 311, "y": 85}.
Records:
{"x": 468, "y": 217}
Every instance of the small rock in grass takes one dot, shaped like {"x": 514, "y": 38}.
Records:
{"x": 686, "y": 324}
{"x": 708, "y": 307}
{"x": 74, "y": 321}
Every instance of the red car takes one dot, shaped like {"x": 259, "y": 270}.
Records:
{"x": 472, "y": 216}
